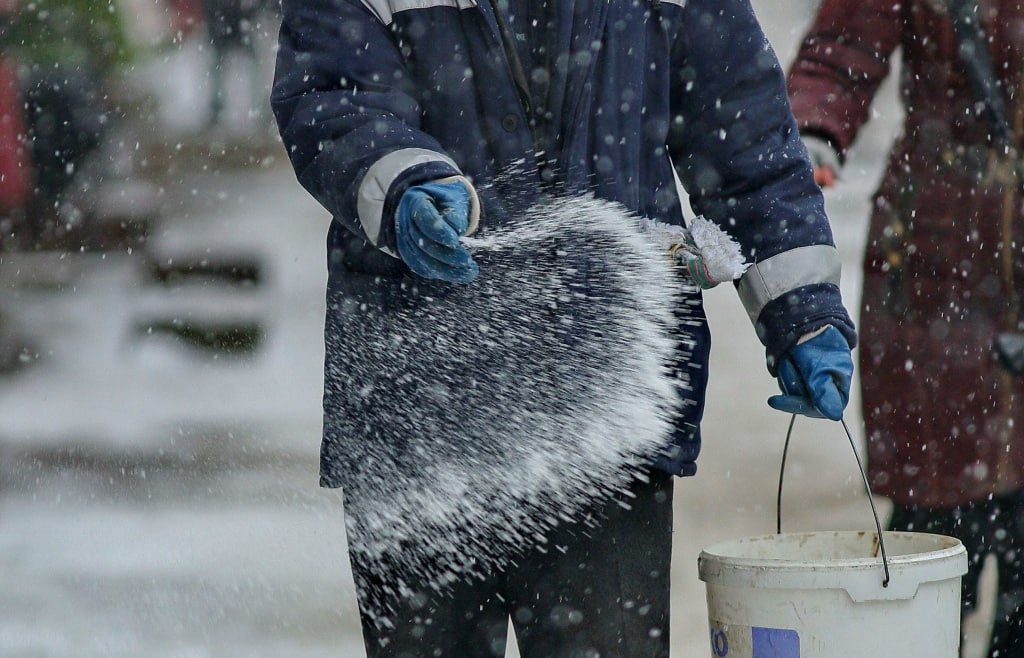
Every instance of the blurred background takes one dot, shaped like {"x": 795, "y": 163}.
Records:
{"x": 161, "y": 305}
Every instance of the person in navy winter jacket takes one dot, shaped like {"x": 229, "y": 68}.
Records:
{"x": 402, "y": 118}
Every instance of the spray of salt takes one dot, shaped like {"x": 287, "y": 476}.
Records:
{"x": 506, "y": 407}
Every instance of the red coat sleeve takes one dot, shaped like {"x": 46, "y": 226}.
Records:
{"x": 15, "y": 164}
{"x": 841, "y": 62}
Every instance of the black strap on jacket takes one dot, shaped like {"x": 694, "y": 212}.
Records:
{"x": 972, "y": 44}
{"x": 539, "y": 127}
{"x": 539, "y": 132}
{"x": 512, "y": 53}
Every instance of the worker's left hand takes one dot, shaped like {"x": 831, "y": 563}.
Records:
{"x": 815, "y": 377}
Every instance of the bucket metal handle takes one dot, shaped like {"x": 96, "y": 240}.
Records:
{"x": 864, "y": 478}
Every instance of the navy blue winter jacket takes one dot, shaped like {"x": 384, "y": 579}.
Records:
{"x": 374, "y": 96}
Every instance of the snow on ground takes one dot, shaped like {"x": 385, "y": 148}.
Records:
{"x": 159, "y": 498}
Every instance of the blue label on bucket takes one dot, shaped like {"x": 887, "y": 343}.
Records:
{"x": 737, "y": 641}
{"x": 775, "y": 643}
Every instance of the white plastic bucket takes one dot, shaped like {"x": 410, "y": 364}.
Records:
{"x": 820, "y": 595}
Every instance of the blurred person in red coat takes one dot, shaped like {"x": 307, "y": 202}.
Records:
{"x": 943, "y": 271}
{"x": 231, "y": 28}
{"x": 15, "y": 165}
{"x": 15, "y": 188}
{"x": 71, "y": 56}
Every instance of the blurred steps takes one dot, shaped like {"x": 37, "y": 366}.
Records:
{"x": 205, "y": 290}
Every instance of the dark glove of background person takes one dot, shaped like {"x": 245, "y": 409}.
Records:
{"x": 815, "y": 377}
{"x": 429, "y": 222}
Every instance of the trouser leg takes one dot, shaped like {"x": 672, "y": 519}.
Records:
{"x": 1007, "y": 522}
{"x": 469, "y": 621}
{"x": 600, "y": 588}
{"x": 600, "y": 591}
{"x": 990, "y": 527}
{"x": 968, "y": 524}
{"x": 1008, "y": 627}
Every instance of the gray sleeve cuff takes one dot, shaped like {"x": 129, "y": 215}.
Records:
{"x": 774, "y": 277}
{"x": 377, "y": 182}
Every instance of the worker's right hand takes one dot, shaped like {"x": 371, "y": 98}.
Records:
{"x": 429, "y": 222}
{"x": 824, "y": 159}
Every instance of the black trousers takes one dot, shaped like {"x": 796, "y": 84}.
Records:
{"x": 993, "y": 527}
{"x": 600, "y": 590}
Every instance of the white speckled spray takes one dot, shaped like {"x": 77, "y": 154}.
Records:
{"x": 478, "y": 417}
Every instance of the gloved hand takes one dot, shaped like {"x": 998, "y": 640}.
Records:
{"x": 429, "y": 221}
{"x": 815, "y": 377}
{"x": 824, "y": 159}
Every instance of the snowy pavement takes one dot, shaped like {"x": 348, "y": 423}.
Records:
{"x": 158, "y": 496}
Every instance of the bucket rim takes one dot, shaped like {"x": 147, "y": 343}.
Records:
{"x": 715, "y": 552}
{"x": 860, "y": 577}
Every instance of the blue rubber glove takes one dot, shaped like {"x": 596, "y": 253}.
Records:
{"x": 430, "y": 219}
{"x": 815, "y": 377}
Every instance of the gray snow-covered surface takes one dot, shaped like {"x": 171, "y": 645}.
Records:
{"x": 159, "y": 500}
{"x": 467, "y": 421}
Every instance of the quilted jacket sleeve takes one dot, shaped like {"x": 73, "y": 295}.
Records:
{"x": 740, "y": 157}
{"x": 349, "y": 120}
